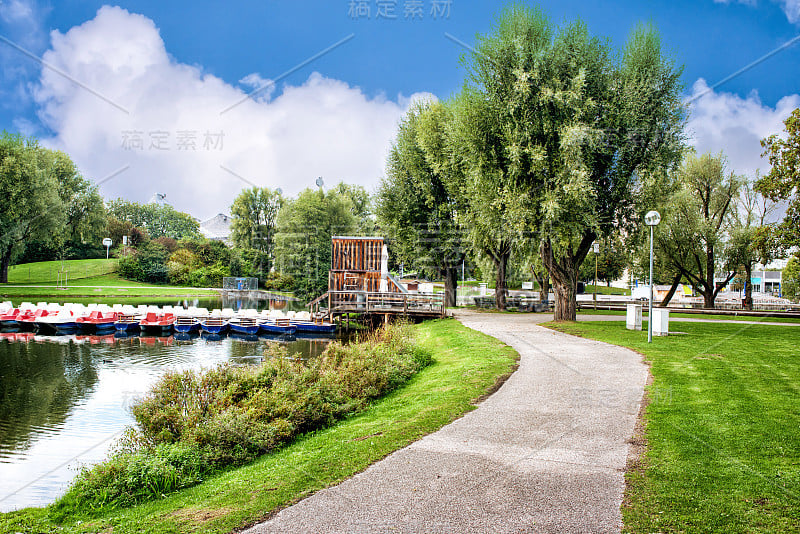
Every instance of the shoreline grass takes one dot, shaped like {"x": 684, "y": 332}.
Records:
{"x": 103, "y": 286}
{"x": 466, "y": 365}
{"x": 722, "y": 428}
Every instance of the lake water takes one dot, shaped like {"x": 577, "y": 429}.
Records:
{"x": 64, "y": 401}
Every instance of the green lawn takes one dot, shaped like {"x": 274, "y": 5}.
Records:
{"x": 47, "y": 271}
{"x": 605, "y": 290}
{"x": 723, "y": 428}
{"x": 710, "y": 316}
{"x": 466, "y": 364}
{"x": 88, "y": 287}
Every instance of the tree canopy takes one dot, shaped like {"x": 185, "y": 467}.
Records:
{"x": 305, "y": 226}
{"x": 415, "y": 208}
{"x": 783, "y": 180}
{"x": 254, "y": 212}
{"x": 553, "y": 139}
{"x": 160, "y": 220}
{"x": 692, "y": 236}
{"x": 43, "y": 198}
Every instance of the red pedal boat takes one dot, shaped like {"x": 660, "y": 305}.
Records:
{"x": 97, "y": 321}
{"x": 157, "y": 323}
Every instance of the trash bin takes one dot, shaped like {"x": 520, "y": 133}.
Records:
{"x": 633, "y": 319}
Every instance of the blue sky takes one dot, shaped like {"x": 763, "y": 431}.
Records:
{"x": 172, "y": 66}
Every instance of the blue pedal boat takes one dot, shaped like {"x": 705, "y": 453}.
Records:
{"x": 214, "y": 325}
{"x": 244, "y": 325}
{"x": 278, "y": 326}
{"x": 127, "y": 323}
{"x": 186, "y": 325}
{"x": 315, "y": 327}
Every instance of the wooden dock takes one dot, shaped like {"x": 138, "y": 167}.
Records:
{"x": 334, "y": 304}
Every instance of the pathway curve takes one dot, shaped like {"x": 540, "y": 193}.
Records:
{"x": 545, "y": 453}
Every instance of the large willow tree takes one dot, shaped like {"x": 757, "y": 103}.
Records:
{"x": 414, "y": 205}
{"x": 553, "y": 131}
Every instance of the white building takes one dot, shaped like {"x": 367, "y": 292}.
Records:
{"x": 217, "y": 228}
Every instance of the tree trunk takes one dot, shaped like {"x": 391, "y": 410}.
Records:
{"x": 5, "y": 262}
{"x": 544, "y": 284}
{"x": 711, "y": 287}
{"x": 500, "y": 264}
{"x": 566, "y": 305}
{"x": 671, "y": 293}
{"x": 450, "y": 286}
{"x": 708, "y": 299}
{"x": 564, "y": 274}
{"x": 545, "y": 287}
{"x": 748, "y": 287}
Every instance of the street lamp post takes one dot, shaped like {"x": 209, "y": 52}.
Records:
{"x": 651, "y": 219}
{"x": 596, "y": 250}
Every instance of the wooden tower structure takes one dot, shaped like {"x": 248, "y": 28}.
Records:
{"x": 359, "y": 282}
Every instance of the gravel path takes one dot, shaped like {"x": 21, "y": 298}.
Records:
{"x": 546, "y": 453}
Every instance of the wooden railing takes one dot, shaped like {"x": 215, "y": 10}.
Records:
{"x": 373, "y": 302}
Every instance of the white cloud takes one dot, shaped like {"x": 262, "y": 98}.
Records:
{"x": 790, "y": 7}
{"x": 260, "y": 89}
{"x": 735, "y": 125}
{"x": 323, "y": 127}
{"x": 22, "y": 22}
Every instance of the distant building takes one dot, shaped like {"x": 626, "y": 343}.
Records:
{"x": 217, "y": 228}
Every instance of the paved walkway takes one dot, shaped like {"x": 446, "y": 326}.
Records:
{"x": 546, "y": 453}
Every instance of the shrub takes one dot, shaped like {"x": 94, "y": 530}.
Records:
{"x": 129, "y": 267}
{"x": 168, "y": 243}
{"x": 236, "y": 267}
{"x": 195, "y": 423}
{"x": 279, "y": 282}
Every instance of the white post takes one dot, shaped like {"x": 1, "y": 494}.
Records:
{"x": 384, "y": 287}
{"x": 650, "y": 305}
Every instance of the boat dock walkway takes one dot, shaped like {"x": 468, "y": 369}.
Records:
{"x": 333, "y": 304}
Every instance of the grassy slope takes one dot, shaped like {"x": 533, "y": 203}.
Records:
{"x": 47, "y": 271}
{"x": 723, "y": 428}
{"x": 466, "y": 364}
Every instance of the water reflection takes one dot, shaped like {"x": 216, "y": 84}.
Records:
{"x": 39, "y": 385}
{"x": 65, "y": 400}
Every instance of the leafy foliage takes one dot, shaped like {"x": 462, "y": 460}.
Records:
{"x": 611, "y": 262}
{"x": 305, "y": 227}
{"x": 692, "y": 234}
{"x": 194, "y": 423}
{"x": 415, "y": 209}
{"x": 160, "y": 220}
{"x": 790, "y": 285}
{"x": 43, "y": 199}
{"x": 783, "y": 180}
{"x": 551, "y": 137}
{"x": 254, "y": 212}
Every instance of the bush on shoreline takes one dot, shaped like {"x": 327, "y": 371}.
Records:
{"x": 194, "y": 424}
